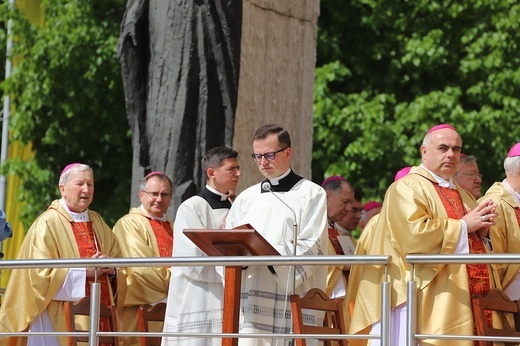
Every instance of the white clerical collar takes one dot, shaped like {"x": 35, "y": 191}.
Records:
{"x": 77, "y": 217}
{"x": 162, "y": 218}
{"x": 276, "y": 181}
{"x": 223, "y": 196}
{"x": 440, "y": 180}
{"x": 341, "y": 230}
{"x": 515, "y": 195}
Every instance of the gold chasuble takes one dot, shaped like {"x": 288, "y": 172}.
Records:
{"x": 416, "y": 218}
{"x": 32, "y": 292}
{"x": 505, "y": 234}
{"x": 140, "y": 235}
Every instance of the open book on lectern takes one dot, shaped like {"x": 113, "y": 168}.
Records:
{"x": 242, "y": 240}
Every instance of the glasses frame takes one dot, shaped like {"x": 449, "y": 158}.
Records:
{"x": 155, "y": 195}
{"x": 267, "y": 156}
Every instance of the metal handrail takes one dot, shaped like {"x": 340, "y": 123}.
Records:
{"x": 206, "y": 261}
{"x": 193, "y": 261}
{"x": 413, "y": 260}
{"x": 418, "y": 259}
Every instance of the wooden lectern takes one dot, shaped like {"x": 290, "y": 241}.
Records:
{"x": 239, "y": 241}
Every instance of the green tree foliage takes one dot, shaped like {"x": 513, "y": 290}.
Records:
{"x": 68, "y": 102}
{"x": 389, "y": 70}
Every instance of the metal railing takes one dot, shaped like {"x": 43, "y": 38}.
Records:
{"x": 94, "y": 332}
{"x": 411, "y": 300}
{"x": 414, "y": 260}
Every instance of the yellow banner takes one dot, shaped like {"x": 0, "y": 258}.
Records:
{"x": 10, "y": 247}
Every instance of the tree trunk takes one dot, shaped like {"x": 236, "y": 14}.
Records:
{"x": 277, "y": 79}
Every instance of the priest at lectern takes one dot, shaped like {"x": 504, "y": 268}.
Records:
{"x": 279, "y": 207}
{"x": 195, "y": 296}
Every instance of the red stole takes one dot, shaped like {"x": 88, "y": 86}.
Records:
{"x": 333, "y": 236}
{"x": 164, "y": 236}
{"x": 478, "y": 274}
{"x": 88, "y": 246}
{"x": 517, "y": 213}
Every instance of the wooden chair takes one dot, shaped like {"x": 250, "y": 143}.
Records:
{"x": 82, "y": 308}
{"x": 316, "y": 299}
{"x": 147, "y": 314}
{"x": 495, "y": 300}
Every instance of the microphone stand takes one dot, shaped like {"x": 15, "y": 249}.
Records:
{"x": 267, "y": 186}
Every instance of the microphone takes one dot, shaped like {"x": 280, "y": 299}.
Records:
{"x": 267, "y": 187}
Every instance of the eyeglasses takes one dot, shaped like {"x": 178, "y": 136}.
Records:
{"x": 155, "y": 194}
{"x": 473, "y": 175}
{"x": 268, "y": 156}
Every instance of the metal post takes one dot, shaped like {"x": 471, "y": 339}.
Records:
{"x": 295, "y": 247}
{"x": 411, "y": 313}
{"x": 385, "y": 310}
{"x": 95, "y": 300}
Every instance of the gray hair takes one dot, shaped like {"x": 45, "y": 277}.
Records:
{"x": 512, "y": 166}
{"x": 336, "y": 185}
{"x": 75, "y": 168}
{"x": 426, "y": 140}
{"x": 161, "y": 176}
{"x": 467, "y": 159}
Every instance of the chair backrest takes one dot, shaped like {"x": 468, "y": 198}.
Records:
{"x": 82, "y": 308}
{"x": 316, "y": 299}
{"x": 147, "y": 314}
{"x": 495, "y": 300}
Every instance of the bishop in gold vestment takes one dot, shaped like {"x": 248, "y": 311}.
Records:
{"x": 34, "y": 297}
{"x": 146, "y": 231}
{"x": 422, "y": 214}
{"x": 505, "y": 235}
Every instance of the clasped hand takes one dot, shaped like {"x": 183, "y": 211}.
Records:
{"x": 481, "y": 218}
{"x": 91, "y": 272}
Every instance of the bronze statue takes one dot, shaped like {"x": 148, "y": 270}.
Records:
{"x": 180, "y": 67}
